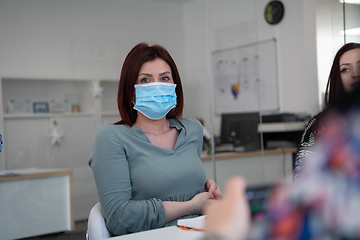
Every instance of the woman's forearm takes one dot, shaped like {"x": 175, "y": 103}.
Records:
{"x": 174, "y": 210}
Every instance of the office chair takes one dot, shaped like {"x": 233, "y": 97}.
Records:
{"x": 96, "y": 224}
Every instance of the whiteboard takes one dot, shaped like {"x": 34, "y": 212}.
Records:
{"x": 245, "y": 78}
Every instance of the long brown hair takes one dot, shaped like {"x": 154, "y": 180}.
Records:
{"x": 335, "y": 91}
{"x": 140, "y": 54}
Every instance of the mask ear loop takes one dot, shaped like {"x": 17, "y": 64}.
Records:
{"x": 134, "y": 101}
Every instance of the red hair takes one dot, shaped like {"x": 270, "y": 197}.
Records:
{"x": 139, "y": 55}
{"x": 335, "y": 91}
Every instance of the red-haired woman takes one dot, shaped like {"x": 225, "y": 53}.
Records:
{"x": 147, "y": 167}
{"x": 344, "y": 77}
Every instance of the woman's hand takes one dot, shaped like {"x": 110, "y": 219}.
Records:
{"x": 212, "y": 187}
{"x": 196, "y": 205}
{"x": 230, "y": 217}
{"x": 199, "y": 201}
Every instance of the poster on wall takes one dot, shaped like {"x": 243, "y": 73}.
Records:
{"x": 245, "y": 78}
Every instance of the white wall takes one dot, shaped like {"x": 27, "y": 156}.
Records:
{"x": 324, "y": 42}
{"x": 82, "y": 38}
{"x": 296, "y": 35}
{"x": 233, "y": 23}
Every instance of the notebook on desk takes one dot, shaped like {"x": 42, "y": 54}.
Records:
{"x": 196, "y": 223}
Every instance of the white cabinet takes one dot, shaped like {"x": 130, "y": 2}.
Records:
{"x": 30, "y": 134}
{"x": 256, "y": 167}
{"x": 35, "y": 202}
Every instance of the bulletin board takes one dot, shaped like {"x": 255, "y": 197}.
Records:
{"x": 245, "y": 78}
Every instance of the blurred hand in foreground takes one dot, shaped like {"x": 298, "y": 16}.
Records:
{"x": 229, "y": 217}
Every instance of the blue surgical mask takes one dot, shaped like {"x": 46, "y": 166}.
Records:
{"x": 155, "y": 100}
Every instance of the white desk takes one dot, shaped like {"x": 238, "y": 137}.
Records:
{"x": 173, "y": 233}
{"x": 35, "y": 202}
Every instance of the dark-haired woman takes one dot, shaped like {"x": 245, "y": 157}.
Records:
{"x": 344, "y": 77}
{"x": 147, "y": 167}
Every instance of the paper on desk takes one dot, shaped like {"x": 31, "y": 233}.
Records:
{"x": 197, "y": 222}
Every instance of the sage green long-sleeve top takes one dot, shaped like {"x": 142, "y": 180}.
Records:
{"x": 133, "y": 177}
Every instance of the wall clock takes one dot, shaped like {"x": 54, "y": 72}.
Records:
{"x": 274, "y": 12}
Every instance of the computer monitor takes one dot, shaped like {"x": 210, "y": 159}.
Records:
{"x": 241, "y": 130}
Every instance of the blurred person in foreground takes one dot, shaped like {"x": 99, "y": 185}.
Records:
{"x": 323, "y": 203}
